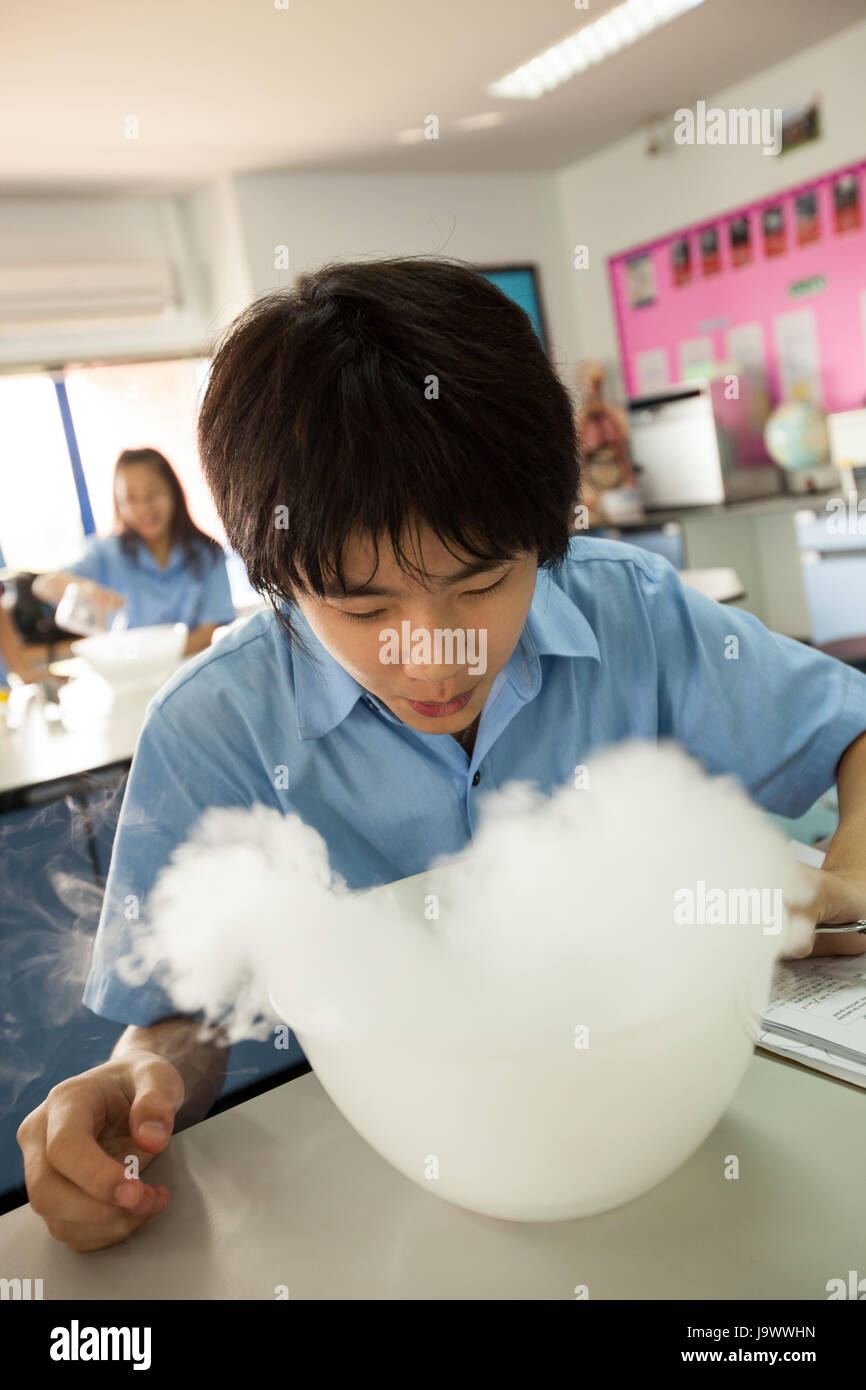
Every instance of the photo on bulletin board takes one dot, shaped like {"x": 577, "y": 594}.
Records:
{"x": 806, "y": 213}
{"x": 801, "y": 124}
{"x": 641, "y": 281}
{"x": 773, "y": 225}
{"x": 681, "y": 260}
{"x": 741, "y": 240}
{"x": 710, "y": 262}
{"x": 846, "y": 203}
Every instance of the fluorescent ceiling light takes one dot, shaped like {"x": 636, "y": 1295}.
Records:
{"x": 605, "y": 36}
{"x": 481, "y": 121}
{"x": 575, "y": 54}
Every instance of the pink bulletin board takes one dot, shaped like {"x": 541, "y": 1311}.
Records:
{"x": 824, "y": 346}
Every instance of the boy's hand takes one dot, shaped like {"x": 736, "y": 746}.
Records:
{"x": 840, "y": 896}
{"x": 76, "y": 1142}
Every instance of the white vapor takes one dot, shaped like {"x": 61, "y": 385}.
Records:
{"x": 559, "y": 912}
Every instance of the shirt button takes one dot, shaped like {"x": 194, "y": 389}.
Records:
{"x": 476, "y": 779}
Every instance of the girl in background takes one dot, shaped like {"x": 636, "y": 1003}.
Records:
{"x": 159, "y": 564}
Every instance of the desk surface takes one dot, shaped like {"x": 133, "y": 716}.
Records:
{"x": 38, "y": 752}
{"x": 282, "y": 1191}
{"x": 777, "y": 502}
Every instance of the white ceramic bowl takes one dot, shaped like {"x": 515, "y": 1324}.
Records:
{"x": 138, "y": 656}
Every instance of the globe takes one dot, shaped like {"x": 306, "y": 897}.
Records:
{"x": 796, "y": 435}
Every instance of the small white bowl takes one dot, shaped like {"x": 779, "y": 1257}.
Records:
{"x": 138, "y": 656}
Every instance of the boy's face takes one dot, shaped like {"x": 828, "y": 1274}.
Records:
{"x": 419, "y": 678}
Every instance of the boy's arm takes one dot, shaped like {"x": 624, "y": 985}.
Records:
{"x": 197, "y": 1050}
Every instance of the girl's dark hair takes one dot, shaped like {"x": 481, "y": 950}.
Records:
{"x": 195, "y": 542}
{"x": 375, "y": 396}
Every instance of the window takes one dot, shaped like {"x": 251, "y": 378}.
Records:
{"x": 140, "y": 405}
{"x": 60, "y": 437}
{"x": 41, "y": 524}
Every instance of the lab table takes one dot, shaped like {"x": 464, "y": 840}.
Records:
{"x": 281, "y": 1193}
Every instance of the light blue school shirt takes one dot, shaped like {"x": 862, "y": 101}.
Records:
{"x": 614, "y": 646}
{"x": 176, "y": 594}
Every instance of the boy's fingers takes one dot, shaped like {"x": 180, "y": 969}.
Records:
{"x": 51, "y": 1192}
{"x": 159, "y": 1094}
{"x": 72, "y": 1151}
{"x": 833, "y": 943}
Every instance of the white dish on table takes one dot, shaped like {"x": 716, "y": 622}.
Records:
{"x": 136, "y": 657}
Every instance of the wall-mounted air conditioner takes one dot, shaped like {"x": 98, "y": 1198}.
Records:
{"x": 84, "y": 294}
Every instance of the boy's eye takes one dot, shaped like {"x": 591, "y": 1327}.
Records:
{"x": 361, "y": 617}
{"x": 366, "y": 617}
{"x": 492, "y": 588}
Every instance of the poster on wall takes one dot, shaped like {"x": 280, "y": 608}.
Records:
{"x": 846, "y": 203}
{"x": 796, "y": 342}
{"x": 710, "y": 262}
{"x": 773, "y": 225}
{"x": 641, "y": 281}
{"x": 681, "y": 260}
{"x": 652, "y": 371}
{"x": 740, "y": 234}
{"x": 695, "y": 354}
{"x": 806, "y": 216}
{"x": 800, "y": 124}
{"x": 745, "y": 347}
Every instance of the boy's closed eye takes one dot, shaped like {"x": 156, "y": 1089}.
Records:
{"x": 377, "y": 612}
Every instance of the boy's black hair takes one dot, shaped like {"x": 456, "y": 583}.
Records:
{"x": 375, "y": 396}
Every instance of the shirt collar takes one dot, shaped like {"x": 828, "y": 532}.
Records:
{"x": 325, "y": 693}
{"x": 144, "y": 558}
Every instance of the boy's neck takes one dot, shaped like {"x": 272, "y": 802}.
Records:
{"x": 466, "y": 737}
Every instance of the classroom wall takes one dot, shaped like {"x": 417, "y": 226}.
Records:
{"x": 488, "y": 218}
{"x": 620, "y": 197}
{"x": 217, "y": 234}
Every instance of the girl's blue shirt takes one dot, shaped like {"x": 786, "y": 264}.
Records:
{"x": 180, "y": 593}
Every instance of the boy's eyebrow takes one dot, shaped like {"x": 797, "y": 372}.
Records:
{"x": 371, "y": 590}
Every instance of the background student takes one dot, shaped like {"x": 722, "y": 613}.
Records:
{"x": 159, "y": 564}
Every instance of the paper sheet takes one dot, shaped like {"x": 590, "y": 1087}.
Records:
{"x": 817, "y": 1009}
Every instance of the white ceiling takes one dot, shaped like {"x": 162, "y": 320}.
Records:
{"x": 224, "y": 86}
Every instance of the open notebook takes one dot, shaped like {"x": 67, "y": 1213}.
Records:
{"x": 817, "y": 1010}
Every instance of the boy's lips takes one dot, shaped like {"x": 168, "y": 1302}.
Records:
{"x": 433, "y": 710}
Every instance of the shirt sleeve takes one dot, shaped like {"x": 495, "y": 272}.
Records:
{"x": 216, "y": 601}
{"x": 745, "y": 700}
{"x": 175, "y": 776}
{"x": 91, "y": 565}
